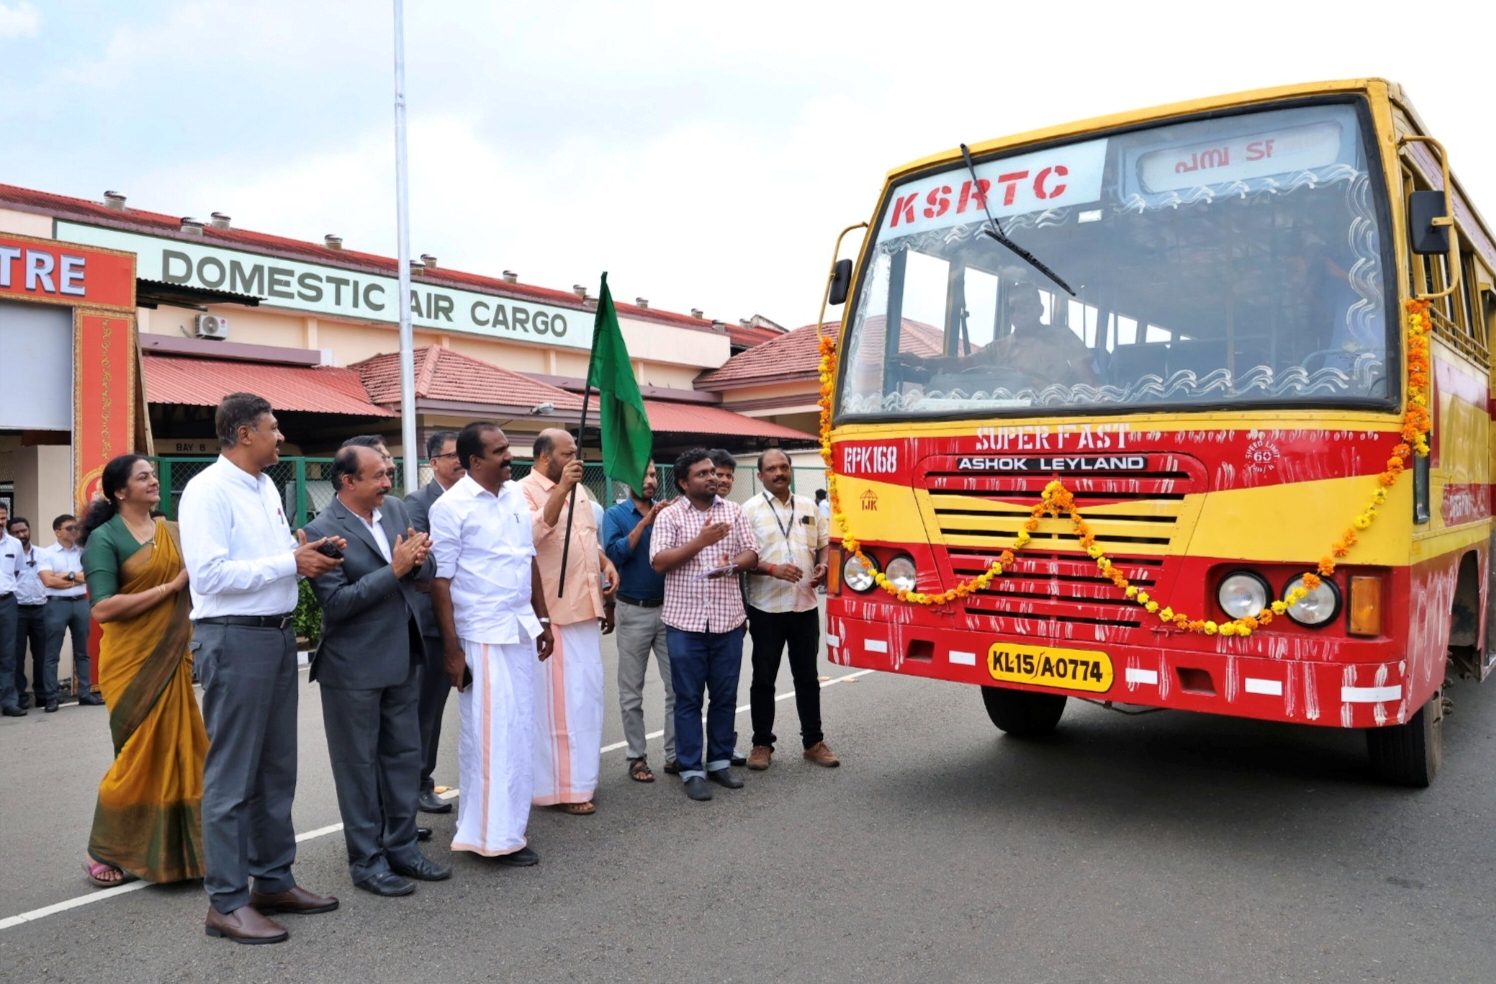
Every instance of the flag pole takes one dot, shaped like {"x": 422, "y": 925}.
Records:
{"x": 581, "y": 430}
{"x": 412, "y": 454}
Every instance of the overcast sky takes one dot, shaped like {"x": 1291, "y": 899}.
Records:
{"x": 705, "y": 154}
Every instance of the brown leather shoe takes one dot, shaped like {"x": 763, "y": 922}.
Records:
{"x": 297, "y": 900}
{"x": 245, "y": 925}
{"x": 821, "y": 755}
{"x": 758, "y": 759}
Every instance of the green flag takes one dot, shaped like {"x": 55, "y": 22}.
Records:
{"x": 628, "y": 440}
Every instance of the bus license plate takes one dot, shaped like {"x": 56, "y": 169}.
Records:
{"x": 1069, "y": 669}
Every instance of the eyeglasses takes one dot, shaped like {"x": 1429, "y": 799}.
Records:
{"x": 69, "y": 528}
{"x": 449, "y": 454}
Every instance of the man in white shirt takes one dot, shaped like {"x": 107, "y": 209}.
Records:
{"x": 783, "y": 610}
{"x": 67, "y": 608}
{"x": 489, "y": 604}
{"x": 10, "y": 565}
{"x": 242, "y": 564}
{"x": 31, "y": 617}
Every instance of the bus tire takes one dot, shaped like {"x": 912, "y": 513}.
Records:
{"x": 1409, "y": 754}
{"x": 1023, "y": 713}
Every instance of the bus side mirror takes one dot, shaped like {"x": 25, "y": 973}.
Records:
{"x": 841, "y": 282}
{"x": 1429, "y": 234}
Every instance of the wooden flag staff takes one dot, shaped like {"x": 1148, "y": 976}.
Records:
{"x": 581, "y": 430}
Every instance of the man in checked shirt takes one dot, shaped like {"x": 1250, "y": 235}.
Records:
{"x": 701, "y": 546}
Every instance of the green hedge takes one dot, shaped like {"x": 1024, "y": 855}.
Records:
{"x": 308, "y": 617}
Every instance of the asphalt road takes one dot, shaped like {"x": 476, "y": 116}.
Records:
{"x": 1168, "y": 847}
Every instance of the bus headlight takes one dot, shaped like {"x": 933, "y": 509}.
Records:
{"x": 857, "y": 575}
{"x": 1242, "y": 593}
{"x": 901, "y": 572}
{"x": 1318, "y": 606}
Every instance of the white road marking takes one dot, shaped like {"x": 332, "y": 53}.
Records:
{"x": 104, "y": 894}
{"x": 1257, "y": 685}
{"x": 1136, "y": 675}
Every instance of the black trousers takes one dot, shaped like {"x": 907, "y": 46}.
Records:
{"x": 31, "y": 627}
{"x": 435, "y": 686}
{"x": 771, "y": 633}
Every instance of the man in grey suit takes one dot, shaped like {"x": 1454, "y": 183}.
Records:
{"x": 369, "y": 667}
{"x": 446, "y": 468}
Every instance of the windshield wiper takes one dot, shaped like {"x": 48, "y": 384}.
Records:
{"x": 996, "y": 231}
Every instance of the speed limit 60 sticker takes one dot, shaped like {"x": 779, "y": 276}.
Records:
{"x": 1071, "y": 669}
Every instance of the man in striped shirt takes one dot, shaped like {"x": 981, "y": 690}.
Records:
{"x": 701, "y": 545}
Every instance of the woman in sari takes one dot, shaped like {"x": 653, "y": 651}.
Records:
{"x": 148, "y": 821}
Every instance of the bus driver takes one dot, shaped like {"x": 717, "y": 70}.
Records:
{"x": 1041, "y": 355}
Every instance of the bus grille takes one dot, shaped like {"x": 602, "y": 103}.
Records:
{"x": 1054, "y": 588}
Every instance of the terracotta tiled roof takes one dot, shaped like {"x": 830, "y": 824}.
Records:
{"x": 205, "y": 382}
{"x": 442, "y": 374}
{"x": 134, "y": 219}
{"x": 698, "y": 418}
{"x": 795, "y": 355}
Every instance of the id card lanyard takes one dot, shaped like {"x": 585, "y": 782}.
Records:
{"x": 786, "y": 530}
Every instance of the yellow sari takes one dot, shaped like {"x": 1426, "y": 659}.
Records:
{"x": 148, "y": 821}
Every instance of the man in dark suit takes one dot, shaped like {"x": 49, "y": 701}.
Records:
{"x": 446, "y": 469}
{"x": 369, "y": 667}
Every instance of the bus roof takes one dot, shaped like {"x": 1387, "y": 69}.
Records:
{"x": 1374, "y": 87}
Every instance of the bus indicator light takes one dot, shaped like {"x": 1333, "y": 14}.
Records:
{"x": 1366, "y": 605}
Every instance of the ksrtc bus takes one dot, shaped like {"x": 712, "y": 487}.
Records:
{"x": 1185, "y": 408}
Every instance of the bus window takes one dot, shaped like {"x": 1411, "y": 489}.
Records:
{"x": 1238, "y": 260}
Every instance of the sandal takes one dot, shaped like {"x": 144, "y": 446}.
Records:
{"x": 578, "y": 809}
{"x": 95, "y": 871}
{"x": 672, "y": 768}
{"x": 639, "y": 770}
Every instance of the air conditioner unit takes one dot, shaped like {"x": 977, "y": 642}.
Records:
{"x": 212, "y": 326}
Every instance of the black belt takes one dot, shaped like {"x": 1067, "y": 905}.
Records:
{"x": 253, "y": 621}
{"x": 641, "y": 602}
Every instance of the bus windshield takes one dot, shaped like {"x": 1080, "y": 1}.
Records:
{"x": 1229, "y": 261}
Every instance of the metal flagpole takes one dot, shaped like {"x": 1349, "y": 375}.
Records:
{"x": 412, "y": 453}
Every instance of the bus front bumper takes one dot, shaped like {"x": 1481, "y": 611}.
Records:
{"x": 1257, "y": 677}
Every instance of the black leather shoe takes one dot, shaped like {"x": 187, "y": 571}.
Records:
{"x": 387, "y": 884}
{"x": 52, "y": 706}
{"x": 11, "y": 711}
{"x": 738, "y": 760}
{"x": 92, "y": 700}
{"x": 24, "y": 702}
{"x": 422, "y": 869}
{"x": 696, "y": 789}
{"x": 432, "y": 803}
{"x": 724, "y": 777}
{"x": 423, "y": 833}
{"x": 523, "y": 858}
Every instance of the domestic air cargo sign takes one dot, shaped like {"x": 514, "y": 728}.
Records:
{"x": 318, "y": 289}
{"x": 1059, "y": 177}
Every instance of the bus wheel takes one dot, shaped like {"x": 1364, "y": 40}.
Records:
{"x": 1023, "y": 713}
{"x": 1409, "y": 754}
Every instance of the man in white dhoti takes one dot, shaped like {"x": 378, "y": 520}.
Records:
{"x": 493, "y": 621}
{"x": 569, "y": 687}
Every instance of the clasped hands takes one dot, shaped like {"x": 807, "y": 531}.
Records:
{"x": 410, "y": 551}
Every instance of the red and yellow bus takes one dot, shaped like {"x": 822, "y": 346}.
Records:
{"x": 1184, "y": 408}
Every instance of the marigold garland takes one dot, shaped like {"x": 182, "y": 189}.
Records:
{"x": 1059, "y": 502}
